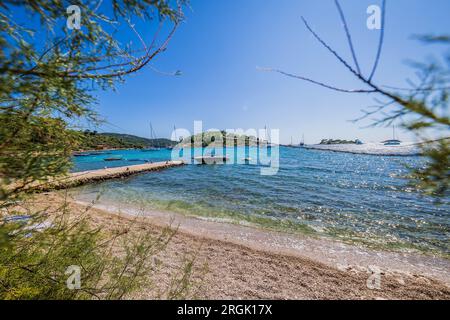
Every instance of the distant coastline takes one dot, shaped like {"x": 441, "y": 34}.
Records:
{"x": 101, "y": 150}
{"x": 376, "y": 149}
{"x": 402, "y": 151}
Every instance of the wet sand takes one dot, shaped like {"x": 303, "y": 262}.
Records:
{"x": 243, "y": 262}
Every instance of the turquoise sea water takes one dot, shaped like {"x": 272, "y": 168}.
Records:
{"x": 356, "y": 198}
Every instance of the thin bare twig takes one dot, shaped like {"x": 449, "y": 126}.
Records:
{"x": 317, "y": 82}
{"x": 345, "y": 63}
{"x": 349, "y": 37}
{"x": 417, "y": 89}
{"x": 380, "y": 43}
{"x": 376, "y": 109}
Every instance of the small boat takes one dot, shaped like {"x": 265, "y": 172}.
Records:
{"x": 80, "y": 154}
{"x": 392, "y": 142}
{"x": 211, "y": 159}
{"x": 247, "y": 160}
{"x": 302, "y": 143}
{"x": 113, "y": 159}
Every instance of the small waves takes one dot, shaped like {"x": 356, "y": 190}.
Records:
{"x": 351, "y": 197}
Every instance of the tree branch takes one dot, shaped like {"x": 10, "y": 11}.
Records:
{"x": 380, "y": 43}
{"x": 317, "y": 82}
{"x": 349, "y": 37}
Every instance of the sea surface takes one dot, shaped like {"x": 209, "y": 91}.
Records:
{"x": 362, "y": 199}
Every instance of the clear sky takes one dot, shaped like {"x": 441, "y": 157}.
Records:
{"x": 221, "y": 43}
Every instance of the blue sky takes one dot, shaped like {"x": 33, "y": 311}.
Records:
{"x": 221, "y": 43}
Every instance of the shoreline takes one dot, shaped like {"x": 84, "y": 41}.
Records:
{"x": 331, "y": 252}
{"x": 102, "y": 150}
{"x": 243, "y": 262}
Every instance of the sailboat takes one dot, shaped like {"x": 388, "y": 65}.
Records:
{"x": 266, "y": 141}
{"x": 302, "y": 143}
{"x": 153, "y": 138}
{"x": 176, "y": 139}
{"x": 393, "y": 141}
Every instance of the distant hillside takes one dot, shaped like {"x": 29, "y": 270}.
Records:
{"x": 92, "y": 140}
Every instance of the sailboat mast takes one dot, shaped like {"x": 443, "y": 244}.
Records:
{"x": 153, "y": 134}
{"x": 151, "y": 131}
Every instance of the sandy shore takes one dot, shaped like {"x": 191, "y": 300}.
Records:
{"x": 247, "y": 263}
